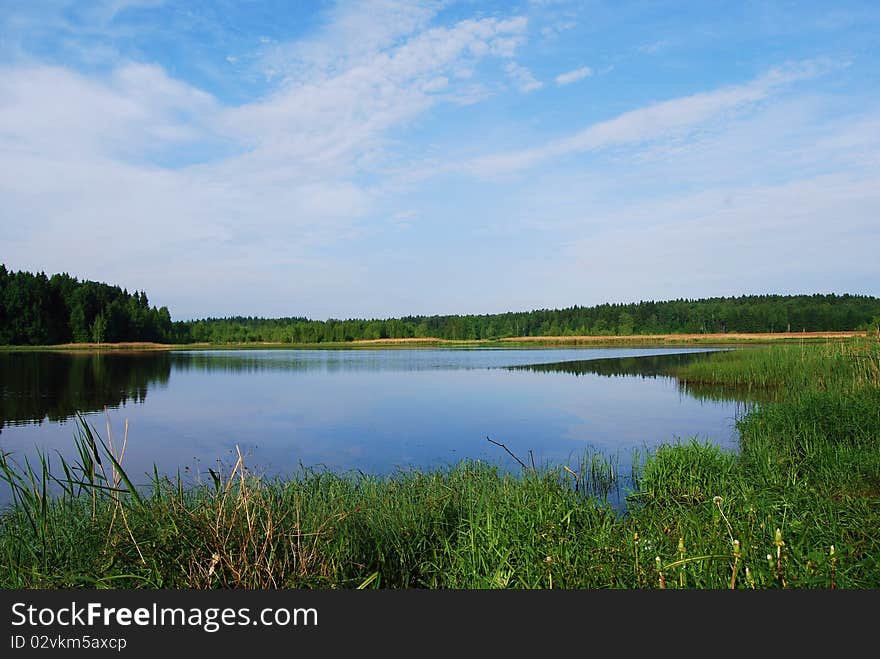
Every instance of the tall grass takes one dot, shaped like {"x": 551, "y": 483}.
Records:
{"x": 798, "y": 506}
{"x": 847, "y": 364}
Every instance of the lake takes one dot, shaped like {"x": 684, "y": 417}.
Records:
{"x": 374, "y": 410}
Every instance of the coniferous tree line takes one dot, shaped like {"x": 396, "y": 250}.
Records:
{"x": 749, "y": 314}
{"x": 40, "y": 310}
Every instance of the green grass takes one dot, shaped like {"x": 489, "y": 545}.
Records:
{"x": 840, "y": 365}
{"x": 806, "y": 479}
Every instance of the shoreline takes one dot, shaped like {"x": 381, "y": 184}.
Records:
{"x": 531, "y": 341}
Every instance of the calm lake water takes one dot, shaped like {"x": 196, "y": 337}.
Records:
{"x": 371, "y": 410}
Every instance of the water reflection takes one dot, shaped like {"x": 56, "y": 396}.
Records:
{"x": 408, "y": 360}
{"x": 652, "y": 367}
{"x": 375, "y": 411}
{"x": 649, "y": 366}
{"x": 55, "y": 386}
{"x": 36, "y": 386}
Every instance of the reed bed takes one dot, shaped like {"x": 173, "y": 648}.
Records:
{"x": 797, "y": 506}
{"x": 845, "y": 364}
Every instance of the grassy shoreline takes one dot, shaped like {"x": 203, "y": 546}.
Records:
{"x": 798, "y": 506}
{"x": 522, "y": 341}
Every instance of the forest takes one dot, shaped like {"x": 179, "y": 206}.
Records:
{"x": 752, "y": 313}
{"x": 39, "y": 310}
{"x": 36, "y": 309}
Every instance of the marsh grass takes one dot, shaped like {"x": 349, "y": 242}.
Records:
{"x": 840, "y": 365}
{"x": 798, "y": 506}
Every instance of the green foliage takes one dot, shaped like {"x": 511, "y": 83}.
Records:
{"x": 685, "y": 474}
{"x": 37, "y": 310}
{"x": 756, "y": 313}
{"x": 872, "y": 325}
{"x": 40, "y": 310}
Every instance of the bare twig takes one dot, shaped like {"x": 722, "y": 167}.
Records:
{"x": 511, "y": 454}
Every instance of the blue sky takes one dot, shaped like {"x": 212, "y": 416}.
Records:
{"x": 383, "y": 158}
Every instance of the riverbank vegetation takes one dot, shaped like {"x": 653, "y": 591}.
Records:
{"x": 797, "y": 506}
{"x": 36, "y": 309}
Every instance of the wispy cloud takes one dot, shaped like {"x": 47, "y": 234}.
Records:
{"x": 100, "y": 159}
{"x": 327, "y": 116}
{"x": 661, "y": 120}
{"x": 137, "y": 110}
{"x": 654, "y": 47}
{"x": 333, "y": 167}
{"x": 524, "y": 80}
{"x": 573, "y": 76}
{"x": 748, "y": 230}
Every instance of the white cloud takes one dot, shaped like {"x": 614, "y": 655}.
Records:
{"x": 524, "y": 80}
{"x": 551, "y": 31}
{"x": 573, "y": 76}
{"x": 97, "y": 176}
{"x": 84, "y": 160}
{"x": 353, "y": 32}
{"x": 403, "y": 219}
{"x": 435, "y": 84}
{"x": 654, "y": 47}
{"x": 812, "y": 234}
{"x": 322, "y": 119}
{"x": 661, "y": 120}
{"x": 65, "y": 115}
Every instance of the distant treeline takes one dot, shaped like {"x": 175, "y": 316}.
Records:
{"x": 754, "y": 313}
{"x": 39, "y": 310}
